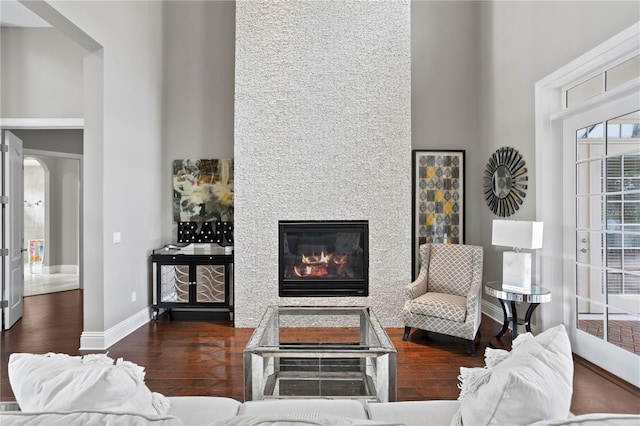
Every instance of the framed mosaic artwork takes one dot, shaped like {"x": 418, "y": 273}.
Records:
{"x": 438, "y": 199}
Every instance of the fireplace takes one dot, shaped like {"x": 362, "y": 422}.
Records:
{"x": 323, "y": 258}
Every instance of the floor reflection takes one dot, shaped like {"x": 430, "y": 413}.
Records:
{"x": 35, "y": 282}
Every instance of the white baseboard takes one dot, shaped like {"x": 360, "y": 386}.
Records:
{"x": 96, "y": 340}
{"x": 61, "y": 269}
{"x": 492, "y": 311}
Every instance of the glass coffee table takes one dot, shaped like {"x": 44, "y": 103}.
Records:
{"x": 319, "y": 352}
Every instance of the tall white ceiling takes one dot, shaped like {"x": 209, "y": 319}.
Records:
{"x": 14, "y": 14}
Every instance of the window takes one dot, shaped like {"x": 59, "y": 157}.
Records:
{"x": 604, "y": 81}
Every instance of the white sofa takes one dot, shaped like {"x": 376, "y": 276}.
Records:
{"x": 532, "y": 384}
{"x": 204, "y": 410}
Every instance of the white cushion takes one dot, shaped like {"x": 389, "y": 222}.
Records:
{"x": 198, "y": 410}
{"x": 594, "y": 419}
{"x": 531, "y": 383}
{"x": 296, "y": 407}
{"x": 83, "y": 418}
{"x": 311, "y": 419}
{"x": 59, "y": 382}
{"x": 414, "y": 413}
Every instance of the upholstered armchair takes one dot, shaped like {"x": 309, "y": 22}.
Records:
{"x": 446, "y": 297}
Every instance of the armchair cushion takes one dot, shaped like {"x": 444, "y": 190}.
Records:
{"x": 450, "y": 269}
{"x": 446, "y": 306}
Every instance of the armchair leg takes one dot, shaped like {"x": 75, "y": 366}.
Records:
{"x": 472, "y": 342}
{"x": 405, "y": 336}
{"x": 470, "y": 348}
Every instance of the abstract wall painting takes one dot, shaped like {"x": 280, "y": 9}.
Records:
{"x": 203, "y": 190}
{"x": 438, "y": 199}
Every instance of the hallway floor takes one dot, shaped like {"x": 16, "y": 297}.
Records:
{"x": 38, "y": 283}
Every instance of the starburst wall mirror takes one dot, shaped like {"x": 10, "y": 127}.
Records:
{"x": 505, "y": 181}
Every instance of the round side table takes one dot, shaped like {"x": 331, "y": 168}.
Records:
{"x": 508, "y": 298}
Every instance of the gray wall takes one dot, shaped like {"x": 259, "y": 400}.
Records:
{"x": 64, "y": 174}
{"x": 41, "y": 74}
{"x": 445, "y": 104}
{"x": 521, "y": 43}
{"x": 198, "y": 67}
{"x": 59, "y": 140}
{"x": 474, "y": 65}
{"x": 122, "y": 153}
{"x": 64, "y": 197}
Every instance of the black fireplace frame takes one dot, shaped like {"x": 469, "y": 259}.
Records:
{"x": 343, "y": 287}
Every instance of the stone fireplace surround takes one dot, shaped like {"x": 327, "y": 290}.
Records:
{"x": 322, "y": 132}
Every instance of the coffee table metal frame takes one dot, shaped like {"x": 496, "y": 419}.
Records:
{"x": 374, "y": 356}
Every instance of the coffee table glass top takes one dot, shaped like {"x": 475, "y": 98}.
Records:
{"x": 320, "y": 351}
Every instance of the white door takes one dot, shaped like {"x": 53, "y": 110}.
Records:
{"x": 13, "y": 230}
{"x": 602, "y": 178}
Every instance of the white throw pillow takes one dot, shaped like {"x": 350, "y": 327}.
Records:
{"x": 531, "y": 383}
{"x": 59, "y": 382}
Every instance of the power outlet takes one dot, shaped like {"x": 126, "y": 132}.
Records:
{"x": 133, "y": 297}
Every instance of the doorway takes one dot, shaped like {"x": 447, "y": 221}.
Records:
{"x": 51, "y": 223}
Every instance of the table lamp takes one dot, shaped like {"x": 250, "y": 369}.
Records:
{"x": 516, "y": 266}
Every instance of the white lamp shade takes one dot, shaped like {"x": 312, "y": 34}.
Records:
{"x": 519, "y": 234}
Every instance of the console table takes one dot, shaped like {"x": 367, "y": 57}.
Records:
{"x": 508, "y": 298}
{"x": 193, "y": 276}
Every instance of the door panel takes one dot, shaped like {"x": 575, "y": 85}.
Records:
{"x": 600, "y": 177}
{"x": 13, "y": 229}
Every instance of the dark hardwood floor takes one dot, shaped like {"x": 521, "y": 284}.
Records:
{"x": 199, "y": 354}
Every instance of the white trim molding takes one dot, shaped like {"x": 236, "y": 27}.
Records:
{"x": 61, "y": 269}
{"x": 42, "y": 123}
{"x": 57, "y": 154}
{"x": 95, "y": 340}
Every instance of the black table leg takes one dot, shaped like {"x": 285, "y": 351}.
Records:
{"x": 507, "y": 317}
{"x": 514, "y": 321}
{"x": 527, "y": 316}
{"x": 510, "y": 316}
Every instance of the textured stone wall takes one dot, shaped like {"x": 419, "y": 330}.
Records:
{"x": 322, "y": 132}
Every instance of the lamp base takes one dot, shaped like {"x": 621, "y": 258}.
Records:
{"x": 516, "y": 271}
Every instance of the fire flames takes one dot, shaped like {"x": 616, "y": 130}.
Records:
{"x": 319, "y": 266}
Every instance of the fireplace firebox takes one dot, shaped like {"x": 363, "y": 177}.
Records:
{"x": 323, "y": 258}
